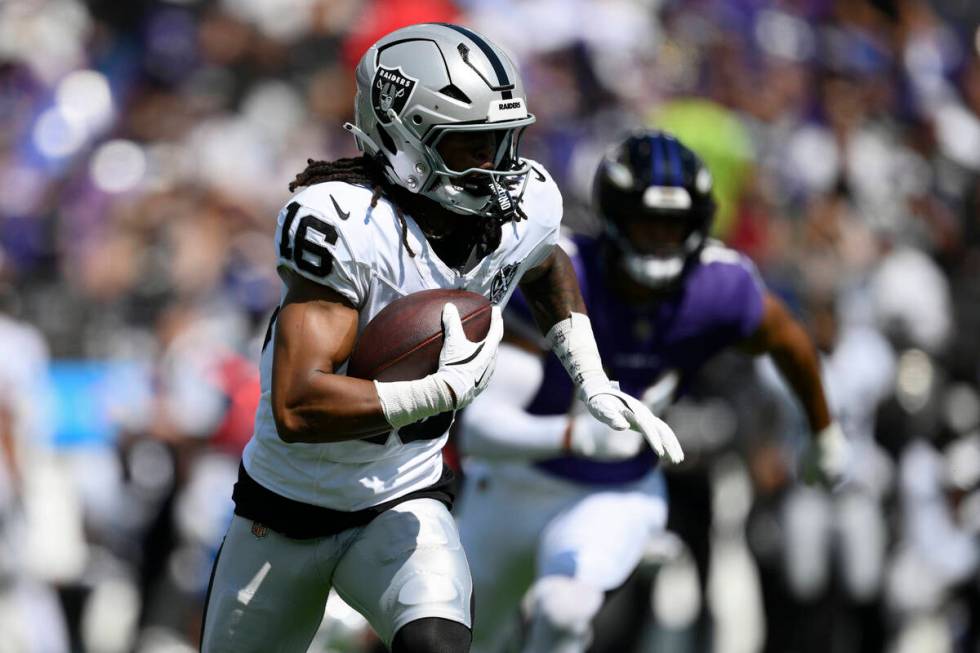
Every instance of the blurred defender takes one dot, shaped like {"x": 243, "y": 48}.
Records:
{"x": 560, "y": 505}
{"x": 342, "y": 483}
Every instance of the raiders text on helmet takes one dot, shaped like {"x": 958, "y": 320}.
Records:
{"x": 422, "y": 82}
{"x": 650, "y": 177}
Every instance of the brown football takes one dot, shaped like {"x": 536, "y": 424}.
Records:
{"x": 403, "y": 341}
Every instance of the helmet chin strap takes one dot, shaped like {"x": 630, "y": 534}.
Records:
{"x": 501, "y": 200}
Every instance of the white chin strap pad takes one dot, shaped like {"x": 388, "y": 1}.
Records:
{"x": 653, "y": 271}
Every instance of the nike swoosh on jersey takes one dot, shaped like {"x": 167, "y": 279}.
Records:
{"x": 342, "y": 214}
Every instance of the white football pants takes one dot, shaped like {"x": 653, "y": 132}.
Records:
{"x": 269, "y": 591}
{"x": 521, "y": 527}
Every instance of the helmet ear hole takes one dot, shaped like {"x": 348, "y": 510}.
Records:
{"x": 456, "y": 93}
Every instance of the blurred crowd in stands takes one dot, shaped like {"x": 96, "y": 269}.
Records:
{"x": 146, "y": 147}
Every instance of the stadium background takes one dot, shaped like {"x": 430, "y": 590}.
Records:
{"x": 146, "y": 146}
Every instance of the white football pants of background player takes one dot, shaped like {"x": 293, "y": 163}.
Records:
{"x": 526, "y": 532}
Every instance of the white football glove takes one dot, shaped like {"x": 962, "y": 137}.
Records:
{"x": 831, "y": 451}
{"x": 574, "y": 343}
{"x": 465, "y": 369}
{"x": 620, "y": 411}
{"x": 590, "y": 438}
{"x": 466, "y": 366}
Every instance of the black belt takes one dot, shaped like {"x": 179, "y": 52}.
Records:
{"x": 300, "y": 521}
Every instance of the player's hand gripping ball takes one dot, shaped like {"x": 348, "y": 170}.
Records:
{"x": 404, "y": 340}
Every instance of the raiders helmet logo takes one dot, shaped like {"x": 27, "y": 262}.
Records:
{"x": 390, "y": 91}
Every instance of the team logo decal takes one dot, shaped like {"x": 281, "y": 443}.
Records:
{"x": 501, "y": 282}
{"x": 391, "y": 90}
{"x": 259, "y": 530}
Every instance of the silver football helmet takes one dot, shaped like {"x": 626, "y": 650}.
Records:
{"x": 422, "y": 82}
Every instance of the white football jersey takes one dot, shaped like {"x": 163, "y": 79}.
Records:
{"x": 329, "y": 234}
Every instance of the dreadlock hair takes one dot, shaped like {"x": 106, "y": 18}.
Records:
{"x": 368, "y": 170}
{"x": 352, "y": 170}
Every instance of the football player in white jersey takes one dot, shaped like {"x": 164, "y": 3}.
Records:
{"x": 343, "y": 484}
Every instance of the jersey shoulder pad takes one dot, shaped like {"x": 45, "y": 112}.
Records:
{"x": 321, "y": 235}
{"x": 714, "y": 251}
{"x": 734, "y": 284}
{"x": 343, "y": 203}
{"x": 542, "y": 200}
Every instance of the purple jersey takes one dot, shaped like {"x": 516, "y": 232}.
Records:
{"x": 718, "y": 304}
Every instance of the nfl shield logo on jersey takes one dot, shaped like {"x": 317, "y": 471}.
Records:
{"x": 391, "y": 90}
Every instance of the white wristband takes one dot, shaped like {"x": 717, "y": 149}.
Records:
{"x": 406, "y": 402}
{"x": 574, "y": 343}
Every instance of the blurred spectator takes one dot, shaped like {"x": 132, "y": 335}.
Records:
{"x": 822, "y": 556}
{"x": 30, "y": 494}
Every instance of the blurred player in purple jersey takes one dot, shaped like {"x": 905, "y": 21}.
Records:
{"x": 559, "y": 509}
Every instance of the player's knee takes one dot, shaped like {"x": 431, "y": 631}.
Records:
{"x": 432, "y": 635}
{"x": 565, "y": 604}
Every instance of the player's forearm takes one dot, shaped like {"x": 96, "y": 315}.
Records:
{"x": 797, "y": 360}
{"x": 328, "y": 408}
{"x": 552, "y": 290}
{"x": 498, "y": 431}
{"x": 553, "y": 293}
